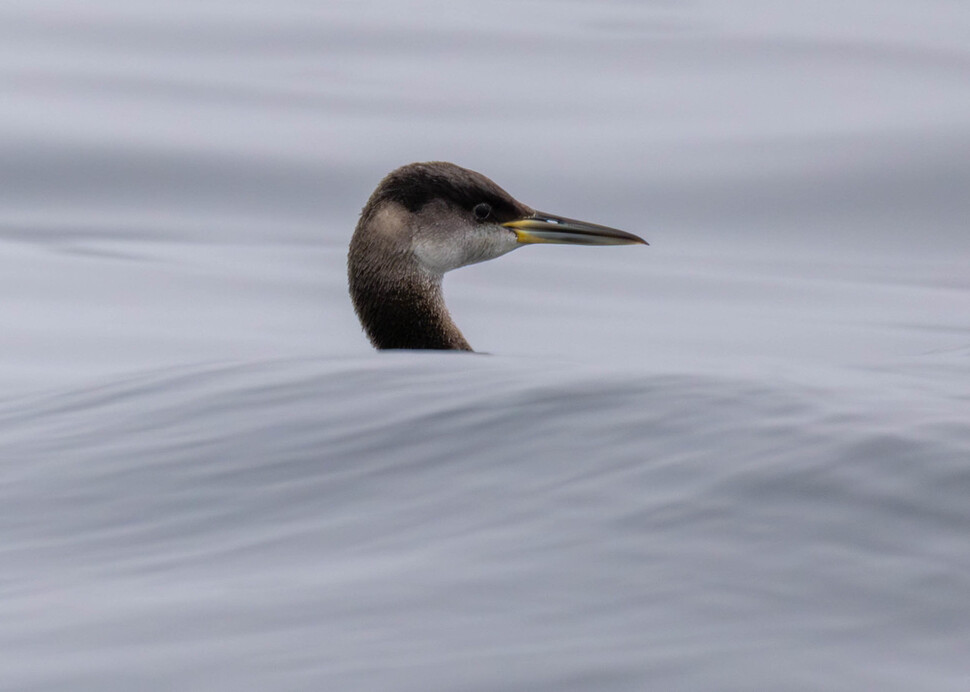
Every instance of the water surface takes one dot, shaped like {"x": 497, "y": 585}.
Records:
{"x": 737, "y": 459}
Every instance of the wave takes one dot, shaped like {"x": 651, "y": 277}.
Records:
{"x": 442, "y": 520}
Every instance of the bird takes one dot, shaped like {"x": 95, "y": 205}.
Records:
{"x": 425, "y": 219}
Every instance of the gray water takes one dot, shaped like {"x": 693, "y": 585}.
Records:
{"x": 738, "y": 459}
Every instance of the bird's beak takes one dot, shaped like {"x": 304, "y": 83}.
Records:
{"x": 548, "y": 228}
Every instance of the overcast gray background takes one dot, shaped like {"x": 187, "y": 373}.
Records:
{"x": 736, "y": 459}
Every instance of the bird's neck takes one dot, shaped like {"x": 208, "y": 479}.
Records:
{"x": 407, "y": 311}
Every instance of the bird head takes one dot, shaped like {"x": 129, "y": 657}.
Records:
{"x": 447, "y": 217}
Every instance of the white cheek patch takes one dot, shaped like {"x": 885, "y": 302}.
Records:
{"x": 491, "y": 241}
{"x": 441, "y": 253}
{"x": 436, "y": 256}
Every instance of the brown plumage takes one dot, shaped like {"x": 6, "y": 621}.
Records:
{"x": 425, "y": 219}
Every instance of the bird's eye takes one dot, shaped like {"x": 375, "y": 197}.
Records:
{"x": 482, "y": 211}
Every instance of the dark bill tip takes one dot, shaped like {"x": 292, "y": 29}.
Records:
{"x": 549, "y": 228}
